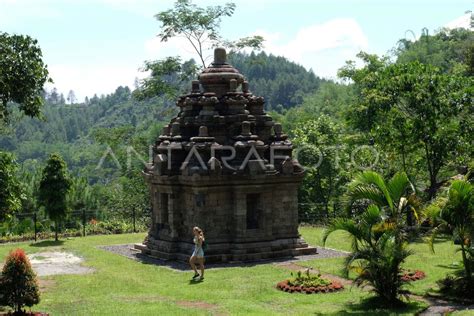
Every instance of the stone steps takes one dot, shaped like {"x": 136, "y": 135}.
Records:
{"x": 265, "y": 254}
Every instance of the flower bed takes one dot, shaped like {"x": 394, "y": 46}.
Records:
{"x": 309, "y": 284}
{"x": 409, "y": 276}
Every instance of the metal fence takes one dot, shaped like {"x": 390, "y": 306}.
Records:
{"x": 31, "y": 226}
{"x": 319, "y": 213}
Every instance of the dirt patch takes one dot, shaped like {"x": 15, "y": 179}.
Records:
{"x": 197, "y": 304}
{"x": 202, "y": 305}
{"x": 141, "y": 298}
{"x": 56, "y": 262}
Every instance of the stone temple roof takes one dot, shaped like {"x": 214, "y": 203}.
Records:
{"x": 218, "y": 113}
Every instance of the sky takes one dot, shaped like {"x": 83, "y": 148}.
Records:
{"x": 94, "y": 46}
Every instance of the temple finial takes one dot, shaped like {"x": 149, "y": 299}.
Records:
{"x": 220, "y": 56}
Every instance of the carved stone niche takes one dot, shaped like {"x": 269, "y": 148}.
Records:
{"x": 224, "y": 165}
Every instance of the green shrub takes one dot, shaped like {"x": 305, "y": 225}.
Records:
{"x": 308, "y": 280}
{"x": 18, "y": 283}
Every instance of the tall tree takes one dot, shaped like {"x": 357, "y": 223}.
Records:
{"x": 200, "y": 27}
{"x": 61, "y": 99}
{"x": 53, "y": 96}
{"x": 10, "y": 190}
{"x": 54, "y": 187}
{"x": 71, "y": 97}
{"x": 22, "y": 75}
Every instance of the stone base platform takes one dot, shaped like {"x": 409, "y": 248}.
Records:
{"x": 226, "y": 252}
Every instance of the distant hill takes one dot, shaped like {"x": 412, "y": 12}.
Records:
{"x": 72, "y": 129}
{"x": 283, "y": 83}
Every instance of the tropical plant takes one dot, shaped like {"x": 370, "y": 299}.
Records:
{"x": 378, "y": 240}
{"x": 18, "y": 283}
{"x": 378, "y": 250}
{"x": 391, "y": 197}
{"x": 457, "y": 214}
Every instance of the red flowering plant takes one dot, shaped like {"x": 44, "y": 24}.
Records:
{"x": 18, "y": 283}
{"x": 409, "y": 276}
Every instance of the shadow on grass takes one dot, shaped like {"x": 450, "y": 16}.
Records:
{"x": 375, "y": 306}
{"x": 194, "y": 282}
{"x": 47, "y": 243}
{"x": 438, "y": 240}
{"x": 450, "y": 266}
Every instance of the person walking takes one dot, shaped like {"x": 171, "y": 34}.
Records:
{"x": 198, "y": 254}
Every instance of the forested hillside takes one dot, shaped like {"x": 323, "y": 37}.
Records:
{"x": 81, "y": 132}
{"x": 283, "y": 83}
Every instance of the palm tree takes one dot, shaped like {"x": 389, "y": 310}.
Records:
{"x": 389, "y": 196}
{"x": 378, "y": 246}
{"x": 457, "y": 213}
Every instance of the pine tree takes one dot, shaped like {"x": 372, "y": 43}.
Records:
{"x": 54, "y": 187}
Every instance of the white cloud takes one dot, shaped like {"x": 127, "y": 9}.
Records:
{"x": 176, "y": 46}
{"x": 463, "y": 21}
{"x": 323, "y": 47}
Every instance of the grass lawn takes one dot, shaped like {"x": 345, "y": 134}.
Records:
{"x": 121, "y": 286}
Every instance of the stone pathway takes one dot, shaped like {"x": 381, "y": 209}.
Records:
{"x": 57, "y": 262}
{"x": 442, "y": 307}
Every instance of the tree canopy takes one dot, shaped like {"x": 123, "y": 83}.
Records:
{"x": 22, "y": 75}
{"x": 201, "y": 27}
{"x": 412, "y": 104}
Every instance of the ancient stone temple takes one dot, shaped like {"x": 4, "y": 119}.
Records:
{"x": 224, "y": 165}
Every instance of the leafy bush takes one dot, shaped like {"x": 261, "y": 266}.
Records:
{"x": 113, "y": 226}
{"x": 18, "y": 283}
{"x": 456, "y": 287}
